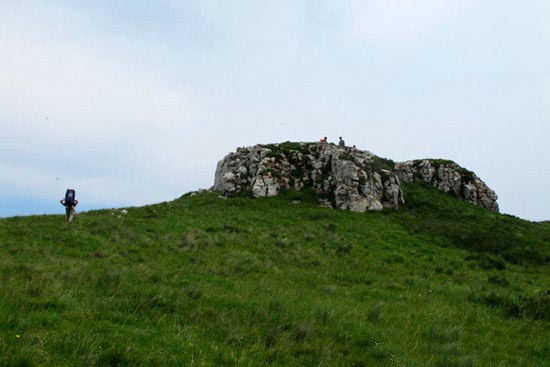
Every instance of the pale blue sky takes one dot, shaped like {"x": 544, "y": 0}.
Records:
{"x": 134, "y": 102}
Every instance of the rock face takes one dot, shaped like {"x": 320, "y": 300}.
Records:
{"x": 449, "y": 177}
{"x": 349, "y": 178}
{"x": 345, "y": 178}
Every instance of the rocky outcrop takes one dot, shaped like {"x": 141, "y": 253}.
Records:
{"x": 449, "y": 177}
{"x": 347, "y": 178}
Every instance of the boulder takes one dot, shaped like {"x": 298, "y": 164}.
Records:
{"x": 449, "y": 177}
{"x": 347, "y": 178}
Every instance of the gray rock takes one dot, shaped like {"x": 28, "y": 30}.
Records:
{"x": 449, "y": 177}
{"x": 352, "y": 179}
{"x": 265, "y": 185}
{"x": 346, "y": 175}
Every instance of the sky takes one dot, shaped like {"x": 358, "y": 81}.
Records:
{"x": 132, "y": 102}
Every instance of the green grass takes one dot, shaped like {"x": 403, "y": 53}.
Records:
{"x": 287, "y": 148}
{"x": 206, "y": 281}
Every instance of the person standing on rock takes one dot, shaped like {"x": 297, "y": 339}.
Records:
{"x": 69, "y": 203}
{"x": 341, "y": 142}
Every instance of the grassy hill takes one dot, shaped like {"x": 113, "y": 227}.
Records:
{"x": 206, "y": 281}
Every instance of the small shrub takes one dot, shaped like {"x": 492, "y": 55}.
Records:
{"x": 234, "y": 339}
{"x": 492, "y": 299}
{"x": 113, "y": 358}
{"x": 188, "y": 240}
{"x": 536, "y": 307}
{"x": 193, "y": 292}
{"x": 487, "y": 262}
{"x": 378, "y": 354}
{"x": 273, "y": 335}
{"x": 397, "y": 259}
{"x": 344, "y": 249}
{"x": 383, "y": 163}
{"x": 526, "y": 255}
{"x": 300, "y": 332}
{"x": 448, "y": 361}
{"x": 442, "y": 335}
{"x": 498, "y": 279}
{"x": 151, "y": 212}
{"x": 275, "y": 306}
{"x": 283, "y": 243}
{"x": 308, "y": 237}
{"x": 21, "y": 362}
{"x": 233, "y": 229}
{"x": 100, "y": 254}
{"x": 35, "y": 289}
{"x": 374, "y": 313}
{"x": 109, "y": 280}
{"x": 330, "y": 289}
{"x": 324, "y": 316}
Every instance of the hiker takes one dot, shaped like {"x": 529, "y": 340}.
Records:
{"x": 341, "y": 142}
{"x": 323, "y": 140}
{"x": 69, "y": 203}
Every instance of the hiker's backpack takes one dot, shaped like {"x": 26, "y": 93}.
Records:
{"x": 69, "y": 197}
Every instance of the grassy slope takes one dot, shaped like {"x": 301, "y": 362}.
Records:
{"x": 207, "y": 281}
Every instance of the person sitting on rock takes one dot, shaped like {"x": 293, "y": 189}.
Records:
{"x": 341, "y": 142}
{"x": 323, "y": 140}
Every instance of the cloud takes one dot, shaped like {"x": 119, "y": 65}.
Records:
{"x": 81, "y": 94}
{"x": 404, "y": 20}
{"x": 90, "y": 112}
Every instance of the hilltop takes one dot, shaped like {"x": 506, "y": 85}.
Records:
{"x": 208, "y": 280}
{"x": 344, "y": 177}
